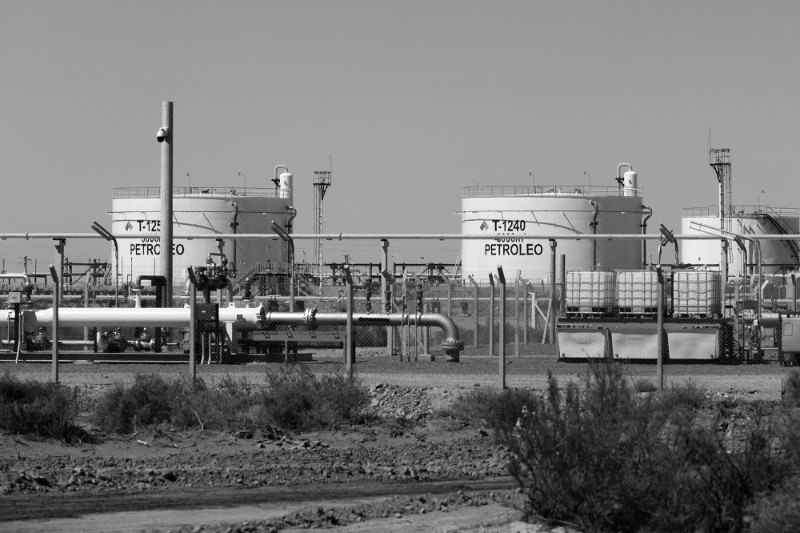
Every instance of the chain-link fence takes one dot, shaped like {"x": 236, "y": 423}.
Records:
{"x": 600, "y": 314}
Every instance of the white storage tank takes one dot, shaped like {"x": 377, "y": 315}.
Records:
{"x": 508, "y": 214}
{"x": 748, "y": 220}
{"x": 204, "y": 210}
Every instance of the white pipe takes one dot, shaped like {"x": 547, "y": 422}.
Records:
{"x": 133, "y": 317}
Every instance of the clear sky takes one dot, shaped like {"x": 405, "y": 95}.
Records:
{"x": 414, "y": 100}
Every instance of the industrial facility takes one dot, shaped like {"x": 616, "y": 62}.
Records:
{"x": 581, "y": 258}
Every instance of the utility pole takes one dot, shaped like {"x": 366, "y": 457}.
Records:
{"x": 165, "y": 138}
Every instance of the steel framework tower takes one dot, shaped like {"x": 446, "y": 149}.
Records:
{"x": 322, "y": 180}
{"x": 720, "y": 161}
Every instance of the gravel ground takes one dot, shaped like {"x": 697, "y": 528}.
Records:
{"x": 411, "y": 447}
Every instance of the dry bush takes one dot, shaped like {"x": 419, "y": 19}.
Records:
{"x": 496, "y": 408}
{"x": 296, "y": 399}
{"x": 790, "y": 389}
{"x": 148, "y": 402}
{"x": 644, "y": 385}
{"x": 39, "y": 409}
{"x": 600, "y": 458}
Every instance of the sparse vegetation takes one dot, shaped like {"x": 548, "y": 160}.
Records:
{"x": 644, "y": 385}
{"x": 790, "y": 390}
{"x": 293, "y": 399}
{"x": 491, "y": 406}
{"x": 39, "y": 409}
{"x": 603, "y": 459}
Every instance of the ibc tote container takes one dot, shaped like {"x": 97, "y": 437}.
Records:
{"x": 590, "y": 292}
{"x": 637, "y": 292}
{"x": 696, "y": 293}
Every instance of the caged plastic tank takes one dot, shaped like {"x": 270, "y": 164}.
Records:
{"x": 637, "y": 292}
{"x": 696, "y": 293}
{"x": 590, "y": 292}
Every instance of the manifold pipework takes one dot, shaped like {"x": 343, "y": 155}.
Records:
{"x": 452, "y": 345}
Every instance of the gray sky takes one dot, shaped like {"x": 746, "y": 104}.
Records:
{"x": 414, "y": 100}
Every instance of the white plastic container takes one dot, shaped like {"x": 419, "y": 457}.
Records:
{"x": 696, "y": 293}
{"x": 637, "y": 292}
{"x": 590, "y": 292}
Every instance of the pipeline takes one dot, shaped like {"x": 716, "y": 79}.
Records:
{"x": 245, "y": 317}
{"x": 104, "y": 317}
{"x": 649, "y": 211}
{"x": 451, "y": 345}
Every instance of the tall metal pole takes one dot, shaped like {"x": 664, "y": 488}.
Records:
{"x": 60, "y": 244}
{"x": 502, "y": 278}
{"x": 165, "y": 137}
{"x": 551, "y": 325}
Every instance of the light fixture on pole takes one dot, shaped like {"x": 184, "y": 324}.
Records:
{"x": 107, "y": 236}
{"x": 759, "y": 199}
{"x": 245, "y": 180}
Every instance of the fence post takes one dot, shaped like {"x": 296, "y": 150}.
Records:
{"x": 477, "y": 322}
{"x": 660, "y": 328}
{"x": 502, "y": 278}
{"x": 350, "y": 356}
{"x": 56, "y": 285}
{"x": 386, "y": 297}
{"x": 516, "y": 314}
{"x": 449, "y": 298}
{"x": 491, "y": 314}
{"x": 525, "y": 313}
{"x": 426, "y": 335}
{"x": 563, "y": 301}
{"x": 551, "y": 323}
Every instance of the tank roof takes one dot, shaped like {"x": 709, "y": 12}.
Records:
{"x": 494, "y": 191}
{"x": 200, "y": 192}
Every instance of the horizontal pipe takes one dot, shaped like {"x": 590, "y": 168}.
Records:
{"x": 312, "y": 320}
{"x": 400, "y": 236}
{"x": 132, "y": 317}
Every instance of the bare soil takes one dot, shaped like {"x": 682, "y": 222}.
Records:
{"x": 412, "y": 472}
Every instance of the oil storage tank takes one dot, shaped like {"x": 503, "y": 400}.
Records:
{"x": 511, "y": 217}
{"x": 748, "y": 220}
{"x": 200, "y": 210}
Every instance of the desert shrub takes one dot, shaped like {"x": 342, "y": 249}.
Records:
{"x": 497, "y": 408}
{"x": 600, "y": 457}
{"x": 149, "y": 401}
{"x": 222, "y": 406}
{"x": 790, "y": 389}
{"x": 295, "y": 399}
{"x": 685, "y": 396}
{"x": 778, "y": 511}
{"x": 644, "y": 385}
{"x": 39, "y": 409}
